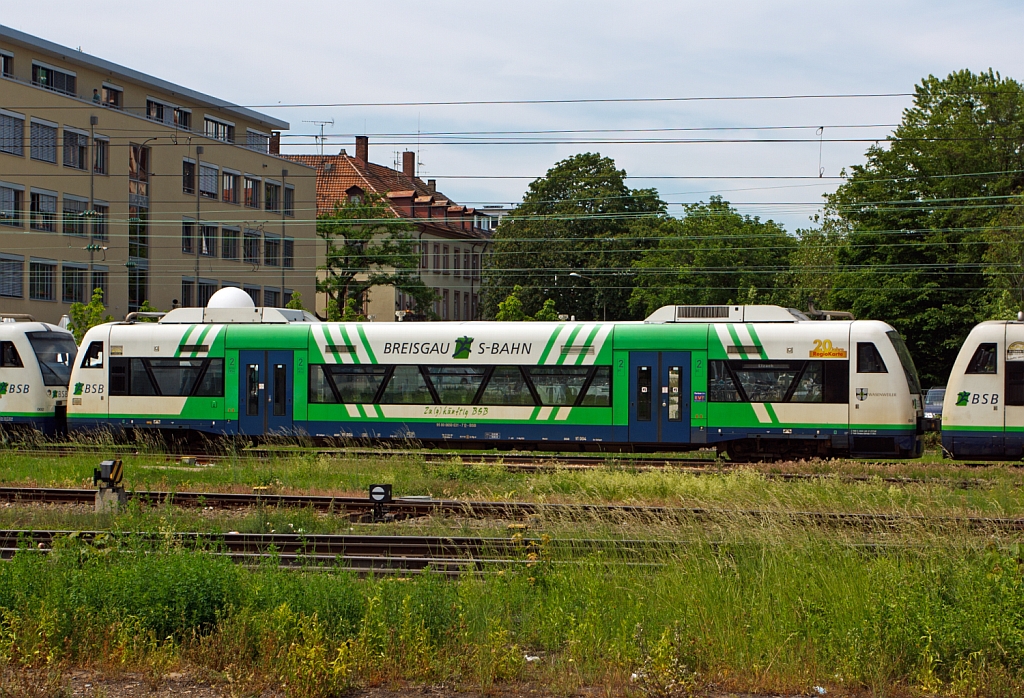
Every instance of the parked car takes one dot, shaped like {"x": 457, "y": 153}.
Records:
{"x": 933, "y": 402}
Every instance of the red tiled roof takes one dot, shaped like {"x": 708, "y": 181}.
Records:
{"x": 335, "y": 174}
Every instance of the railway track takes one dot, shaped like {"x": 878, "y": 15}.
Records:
{"x": 358, "y": 553}
{"x": 359, "y": 508}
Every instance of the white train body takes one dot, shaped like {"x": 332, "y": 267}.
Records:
{"x": 983, "y": 410}
{"x": 35, "y": 367}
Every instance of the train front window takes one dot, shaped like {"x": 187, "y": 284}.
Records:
{"x": 984, "y": 360}
{"x": 9, "y": 357}
{"x": 56, "y": 354}
{"x": 909, "y": 369}
{"x": 93, "y": 356}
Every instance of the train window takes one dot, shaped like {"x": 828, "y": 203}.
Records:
{"x": 118, "y": 376}
{"x": 1015, "y": 383}
{"x": 212, "y": 382}
{"x": 868, "y": 359}
{"x": 558, "y": 385}
{"x": 93, "y": 356}
{"x": 984, "y": 359}
{"x": 9, "y": 357}
{"x": 507, "y": 386}
{"x": 643, "y": 393}
{"x": 810, "y": 385}
{"x": 456, "y": 385}
{"x": 599, "y": 392}
{"x": 252, "y": 390}
{"x": 766, "y": 381}
{"x": 837, "y": 382}
{"x": 721, "y": 386}
{"x": 675, "y": 414}
{"x": 280, "y": 389}
{"x": 55, "y": 353}
{"x": 176, "y": 377}
{"x": 353, "y": 384}
{"x": 407, "y": 387}
{"x": 909, "y": 369}
{"x": 140, "y": 382}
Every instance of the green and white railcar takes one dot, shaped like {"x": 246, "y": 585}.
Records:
{"x": 753, "y": 380}
{"x": 35, "y": 365}
{"x": 983, "y": 409}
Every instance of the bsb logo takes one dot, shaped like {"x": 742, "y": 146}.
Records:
{"x": 968, "y": 398}
{"x": 463, "y": 346}
{"x": 3, "y": 388}
{"x": 78, "y": 388}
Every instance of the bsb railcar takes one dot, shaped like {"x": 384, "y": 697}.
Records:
{"x": 35, "y": 366}
{"x": 983, "y": 409}
{"x": 755, "y": 381}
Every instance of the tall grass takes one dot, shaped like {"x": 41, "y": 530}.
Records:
{"x": 745, "y": 615}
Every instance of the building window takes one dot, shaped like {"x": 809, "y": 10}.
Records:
{"x": 254, "y": 140}
{"x": 455, "y": 261}
{"x": 254, "y": 293}
{"x": 251, "y": 246}
{"x": 42, "y": 281}
{"x": 102, "y": 151}
{"x": 6, "y": 65}
{"x": 219, "y": 130}
{"x": 53, "y": 79}
{"x": 444, "y": 304}
{"x": 74, "y": 218}
{"x": 208, "y": 181}
{"x": 156, "y": 111}
{"x": 10, "y": 206}
{"x": 444, "y": 259}
{"x": 76, "y": 150}
{"x": 465, "y": 307}
{"x": 424, "y": 256}
{"x": 73, "y": 280}
{"x": 100, "y": 221}
{"x": 273, "y": 196}
{"x": 272, "y": 251}
{"x": 44, "y": 142}
{"x": 271, "y": 297}
{"x": 437, "y": 302}
{"x": 188, "y": 237}
{"x": 473, "y": 308}
{"x": 182, "y": 118}
{"x": 229, "y": 243}
{"x": 12, "y": 134}
{"x": 465, "y": 263}
{"x": 43, "y": 212}
{"x": 206, "y": 290}
{"x": 138, "y": 170}
{"x": 289, "y": 253}
{"x": 289, "y": 201}
{"x": 112, "y": 97}
{"x": 187, "y": 284}
{"x": 12, "y": 272}
{"x": 252, "y": 192}
{"x": 188, "y": 177}
{"x": 455, "y": 304}
{"x": 476, "y": 270}
{"x": 230, "y": 187}
{"x": 208, "y": 240}
{"x": 437, "y": 258}
{"x": 99, "y": 281}
{"x": 138, "y": 285}
{"x": 138, "y": 232}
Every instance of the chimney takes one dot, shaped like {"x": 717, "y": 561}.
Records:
{"x": 432, "y": 185}
{"x": 363, "y": 149}
{"x": 275, "y": 142}
{"x": 409, "y": 163}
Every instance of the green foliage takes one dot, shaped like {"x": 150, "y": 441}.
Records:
{"x": 295, "y": 303}
{"x": 511, "y": 309}
{"x": 713, "y": 255}
{"x": 366, "y": 247}
{"x": 84, "y": 317}
{"x": 580, "y": 217}
{"x": 147, "y": 308}
{"x": 916, "y": 242}
{"x": 547, "y": 313}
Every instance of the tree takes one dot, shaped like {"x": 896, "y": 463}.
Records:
{"x": 86, "y": 316}
{"x": 366, "y": 247}
{"x": 918, "y": 209}
{"x": 147, "y": 308}
{"x": 511, "y": 309}
{"x": 579, "y": 218}
{"x": 295, "y": 302}
{"x": 715, "y": 256}
{"x": 547, "y": 313}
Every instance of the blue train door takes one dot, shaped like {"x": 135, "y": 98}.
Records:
{"x": 265, "y": 392}
{"x": 659, "y": 397}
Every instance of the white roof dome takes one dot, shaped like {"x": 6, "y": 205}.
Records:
{"x": 230, "y": 297}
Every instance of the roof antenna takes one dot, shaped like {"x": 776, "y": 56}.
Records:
{"x": 821, "y": 135}
{"x": 320, "y": 138}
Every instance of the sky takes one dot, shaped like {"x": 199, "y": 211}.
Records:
{"x": 325, "y": 55}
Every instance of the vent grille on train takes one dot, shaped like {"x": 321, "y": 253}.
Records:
{"x": 686, "y": 312}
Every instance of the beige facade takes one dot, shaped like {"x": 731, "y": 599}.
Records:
{"x": 104, "y": 172}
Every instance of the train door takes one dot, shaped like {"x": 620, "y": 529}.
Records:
{"x": 265, "y": 392}
{"x": 1013, "y": 392}
{"x": 659, "y": 397}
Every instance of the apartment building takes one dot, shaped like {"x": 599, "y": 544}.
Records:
{"x": 113, "y": 179}
{"x": 450, "y": 239}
